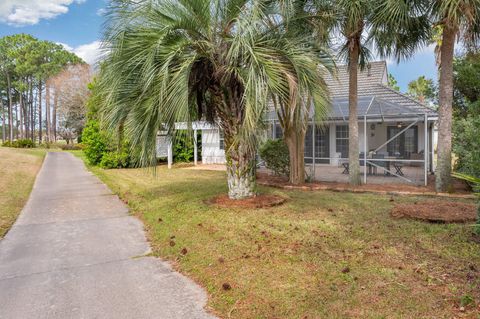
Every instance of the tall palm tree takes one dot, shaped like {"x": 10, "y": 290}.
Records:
{"x": 456, "y": 19}
{"x": 395, "y": 28}
{"x": 220, "y": 60}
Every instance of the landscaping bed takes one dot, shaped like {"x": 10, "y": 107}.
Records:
{"x": 437, "y": 211}
{"x": 461, "y": 190}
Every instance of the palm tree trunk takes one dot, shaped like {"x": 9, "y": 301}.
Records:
{"x": 295, "y": 140}
{"x": 353, "y": 147}
{"x": 444, "y": 160}
{"x": 241, "y": 177}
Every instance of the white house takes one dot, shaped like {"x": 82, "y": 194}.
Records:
{"x": 396, "y": 132}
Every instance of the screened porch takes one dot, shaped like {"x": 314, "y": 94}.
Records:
{"x": 395, "y": 143}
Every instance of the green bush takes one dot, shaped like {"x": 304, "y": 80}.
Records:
{"x": 475, "y": 182}
{"x": 182, "y": 149}
{"x": 466, "y": 145}
{"x": 276, "y": 156}
{"x": 20, "y": 144}
{"x": 115, "y": 160}
{"x": 71, "y": 147}
{"x": 95, "y": 142}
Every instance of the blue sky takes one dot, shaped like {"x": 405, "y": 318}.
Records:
{"x": 77, "y": 24}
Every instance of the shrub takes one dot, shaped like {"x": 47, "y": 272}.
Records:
{"x": 115, "y": 160}
{"x": 182, "y": 149}
{"x": 20, "y": 144}
{"x": 466, "y": 145}
{"x": 475, "y": 182}
{"x": 71, "y": 147}
{"x": 276, "y": 156}
{"x": 95, "y": 142}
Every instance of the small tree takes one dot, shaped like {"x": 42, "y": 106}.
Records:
{"x": 422, "y": 89}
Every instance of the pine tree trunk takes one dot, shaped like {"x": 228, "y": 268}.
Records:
{"x": 54, "y": 116}
{"x": 295, "y": 140}
{"x": 20, "y": 120}
{"x": 240, "y": 169}
{"x": 47, "y": 113}
{"x": 353, "y": 145}
{"x": 4, "y": 121}
{"x": 10, "y": 109}
{"x": 16, "y": 122}
{"x": 444, "y": 159}
{"x": 32, "y": 117}
{"x": 40, "y": 88}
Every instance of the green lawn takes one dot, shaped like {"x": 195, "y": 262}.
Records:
{"x": 18, "y": 169}
{"x": 320, "y": 255}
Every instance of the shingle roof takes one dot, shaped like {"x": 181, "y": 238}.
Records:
{"x": 374, "y": 73}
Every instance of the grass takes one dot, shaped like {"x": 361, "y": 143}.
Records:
{"x": 18, "y": 168}
{"x": 320, "y": 255}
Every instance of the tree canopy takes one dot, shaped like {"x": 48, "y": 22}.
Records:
{"x": 26, "y": 64}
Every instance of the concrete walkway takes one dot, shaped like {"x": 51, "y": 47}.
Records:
{"x": 75, "y": 252}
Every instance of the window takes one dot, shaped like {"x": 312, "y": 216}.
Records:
{"x": 403, "y": 145}
{"x": 341, "y": 138}
{"x": 222, "y": 139}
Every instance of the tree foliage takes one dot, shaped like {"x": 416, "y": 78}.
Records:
{"x": 422, "y": 89}
{"x": 393, "y": 83}
{"x": 221, "y": 61}
{"x": 26, "y": 64}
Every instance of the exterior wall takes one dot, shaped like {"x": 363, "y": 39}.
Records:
{"x": 376, "y": 136}
{"x": 211, "y": 152}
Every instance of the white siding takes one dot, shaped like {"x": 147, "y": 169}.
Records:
{"x": 211, "y": 152}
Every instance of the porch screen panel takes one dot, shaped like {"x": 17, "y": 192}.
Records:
{"x": 322, "y": 145}
{"x": 404, "y": 145}
{"x": 308, "y": 152}
{"x": 341, "y": 140}
{"x": 278, "y": 131}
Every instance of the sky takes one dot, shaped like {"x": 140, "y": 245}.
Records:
{"x": 77, "y": 24}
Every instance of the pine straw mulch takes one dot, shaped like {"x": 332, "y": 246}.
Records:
{"x": 437, "y": 211}
{"x": 460, "y": 188}
{"x": 259, "y": 201}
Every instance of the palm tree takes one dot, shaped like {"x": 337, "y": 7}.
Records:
{"x": 395, "y": 28}
{"x": 294, "y": 114}
{"x": 456, "y": 19}
{"x": 179, "y": 61}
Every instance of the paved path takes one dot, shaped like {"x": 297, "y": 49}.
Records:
{"x": 75, "y": 253}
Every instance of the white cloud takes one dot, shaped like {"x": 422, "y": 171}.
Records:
{"x": 29, "y": 12}
{"x": 90, "y": 53}
{"x": 101, "y": 12}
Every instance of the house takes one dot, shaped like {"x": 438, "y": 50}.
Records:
{"x": 396, "y": 133}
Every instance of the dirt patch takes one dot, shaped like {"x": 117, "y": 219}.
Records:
{"x": 260, "y": 201}
{"x": 437, "y": 211}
